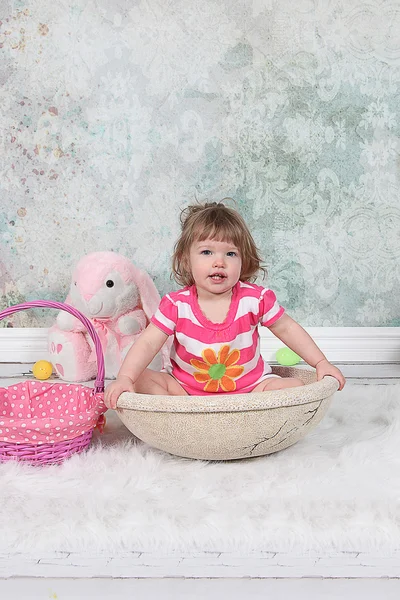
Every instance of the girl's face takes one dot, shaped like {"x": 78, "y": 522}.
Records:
{"x": 215, "y": 266}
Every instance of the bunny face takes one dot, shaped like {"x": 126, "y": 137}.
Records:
{"x": 106, "y": 299}
{"x": 120, "y": 299}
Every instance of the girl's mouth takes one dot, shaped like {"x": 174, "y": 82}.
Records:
{"x": 217, "y": 276}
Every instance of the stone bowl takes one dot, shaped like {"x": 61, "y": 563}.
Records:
{"x": 229, "y": 427}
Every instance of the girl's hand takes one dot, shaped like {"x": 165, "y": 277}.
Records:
{"x": 324, "y": 367}
{"x": 115, "y": 389}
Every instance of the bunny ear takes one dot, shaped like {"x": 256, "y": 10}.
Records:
{"x": 149, "y": 295}
{"x": 151, "y": 299}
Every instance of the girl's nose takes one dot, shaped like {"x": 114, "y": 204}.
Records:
{"x": 219, "y": 260}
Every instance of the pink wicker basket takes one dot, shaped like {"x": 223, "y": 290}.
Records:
{"x": 46, "y": 422}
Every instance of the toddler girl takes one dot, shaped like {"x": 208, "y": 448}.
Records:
{"x": 214, "y": 318}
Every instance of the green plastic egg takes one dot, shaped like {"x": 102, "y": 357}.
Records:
{"x": 286, "y": 357}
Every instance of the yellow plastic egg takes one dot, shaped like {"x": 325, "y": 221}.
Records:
{"x": 42, "y": 369}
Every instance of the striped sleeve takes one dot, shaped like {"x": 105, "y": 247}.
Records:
{"x": 166, "y": 316}
{"x": 269, "y": 309}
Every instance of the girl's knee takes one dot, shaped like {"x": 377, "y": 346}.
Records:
{"x": 282, "y": 383}
{"x": 296, "y": 382}
{"x": 158, "y": 383}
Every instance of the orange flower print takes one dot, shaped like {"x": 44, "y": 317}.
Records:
{"x": 218, "y": 371}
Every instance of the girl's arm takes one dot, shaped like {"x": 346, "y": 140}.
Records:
{"x": 138, "y": 358}
{"x": 297, "y": 339}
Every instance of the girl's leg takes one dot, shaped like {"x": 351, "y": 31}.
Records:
{"x": 158, "y": 384}
{"x": 278, "y": 383}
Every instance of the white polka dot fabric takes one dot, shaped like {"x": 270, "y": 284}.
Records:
{"x": 40, "y": 412}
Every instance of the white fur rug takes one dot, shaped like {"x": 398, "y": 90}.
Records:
{"x": 338, "y": 488}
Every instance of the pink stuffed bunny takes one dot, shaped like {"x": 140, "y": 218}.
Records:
{"x": 119, "y": 299}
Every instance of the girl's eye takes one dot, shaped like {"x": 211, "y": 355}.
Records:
{"x": 232, "y": 253}
{"x": 206, "y": 252}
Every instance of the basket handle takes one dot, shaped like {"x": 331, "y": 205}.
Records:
{"x": 99, "y": 384}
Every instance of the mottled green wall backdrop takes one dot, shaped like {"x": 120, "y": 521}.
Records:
{"x": 114, "y": 114}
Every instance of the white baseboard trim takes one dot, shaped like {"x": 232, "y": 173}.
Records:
{"x": 339, "y": 344}
{"x": 347, "y": 344}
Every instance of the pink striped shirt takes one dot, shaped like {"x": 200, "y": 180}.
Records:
{"x": 209, "y": 358}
